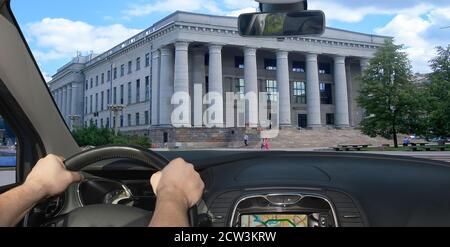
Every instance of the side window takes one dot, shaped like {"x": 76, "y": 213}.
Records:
{"x": 8, "y": 146}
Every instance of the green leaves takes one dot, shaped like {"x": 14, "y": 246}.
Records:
{"x": 93, "y": 136}
{"x": 438, "y": 94}
{"x": 388, "y": 95}
{"x": 394, "y": 104}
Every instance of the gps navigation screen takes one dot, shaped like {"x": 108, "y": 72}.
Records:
{"x": 274, "y": 220}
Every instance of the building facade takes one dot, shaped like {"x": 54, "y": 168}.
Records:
{"x": 315, "y": 78}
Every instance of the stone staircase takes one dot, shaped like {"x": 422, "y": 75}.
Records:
{"x": 324, "y": 138}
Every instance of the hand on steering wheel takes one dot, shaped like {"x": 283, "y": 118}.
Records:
{"x": 118, "y": 215}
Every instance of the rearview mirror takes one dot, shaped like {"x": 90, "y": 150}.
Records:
{"x": 282, "y": 24}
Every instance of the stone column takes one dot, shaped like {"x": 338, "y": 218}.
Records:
{"x": 155, "y": 84}
{"x": 73, "y": 108}
{"x": 166, "y": 86}
{"x": 283, "y": 88}
{"x": 215, "y": 81}
{"x": 251, "y": 86}
{"x": 364, "y": 63}
{"x": 64, "y": 102}
{"x": 342, "y": 119}
{"x": 313, "y": 91}
{"x": 181, "y": 77}
{"x": 69, "y": 101}
{"x": 59, "y": 99}
{"x": 198, "y": 77}
{"x": 55, "y": 97}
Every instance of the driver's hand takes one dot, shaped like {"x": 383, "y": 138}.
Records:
{"x": 178, "y": 180}
{"x": 50, "y": 177}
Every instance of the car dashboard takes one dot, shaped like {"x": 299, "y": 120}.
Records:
{"x": 288, "y": 189}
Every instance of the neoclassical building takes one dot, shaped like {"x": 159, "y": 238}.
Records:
{"x": 313, "y": 79}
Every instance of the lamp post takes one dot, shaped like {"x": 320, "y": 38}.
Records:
{"x": 116, "y": 109}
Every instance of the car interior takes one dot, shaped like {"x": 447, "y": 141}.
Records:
{"x": 320, "y": 189}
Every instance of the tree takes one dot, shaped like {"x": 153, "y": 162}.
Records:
{"x": 438, "y": 93}
{"x": 392, "y": 103}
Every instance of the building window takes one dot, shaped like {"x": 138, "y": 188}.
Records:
{"x": 326, "y": 97}
{"x": 121, "y": 94}
{"x": 96, "y": 123}
{"x": 147, "y": 59}
{"x": 138, "y": 64}
{"x": 96, "y": 81}
{"x": 299, "y": 92}
{"x": 138, "y": 91}
{"x": 121, "y": 121}
{"x": 115, "y": 73}
{"x": 102, "y": 105}
{"x": 90, "y": 104}
{"x": 86, "y": 105}
{"x": 87, "y": 85}
{"x": 103, "y": 78}
{"x": 147, "y": 88}
{"x": 129, "y": 119}
{"x": 130, "y": 64}
{"x": 122, "y": 70}
{"x": 239, "y": 62}
{"x": 108, "y": 77}
{"x": 240, "y": 88}
{"x": 298, "y": 67}
{"x": 108, "y": 97}
{"x": 325, "y": 68}
{"x": 107, "y": 123}
{"x": 330, "y": 119}
{"x": 115, "y": 95}
{"x": 147, "y": 117}
{"x": 129, "y": 93}
{"x": 114, "y": 122}
{"x": 270, "y": 64}
{"x": 96, "y": 102}
{"x": 92, "y": 82}
{"x": 138, "y": 120}
{"x": 272, "y": 90}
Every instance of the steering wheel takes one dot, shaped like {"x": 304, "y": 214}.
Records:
{"x": 115, "y": 215}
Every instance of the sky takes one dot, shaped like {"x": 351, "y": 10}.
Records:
{"x": 56, "y": 30}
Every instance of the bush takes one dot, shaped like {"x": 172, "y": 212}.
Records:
{"x": 94, "y": 136}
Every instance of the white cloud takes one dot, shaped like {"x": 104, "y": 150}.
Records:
{"x": 240, "y": 4}
{"x": 171, "y": 6}
{"x": 61, "y": 38}
{"x": 419, "y": 32}
{"x": 47, "y": 76}
{"x": 242, "y": 11}
{"x": 336, "y": 11}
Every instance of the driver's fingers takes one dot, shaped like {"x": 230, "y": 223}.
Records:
{"x": 154, "y": 181}
{"x": 76, "y": 177}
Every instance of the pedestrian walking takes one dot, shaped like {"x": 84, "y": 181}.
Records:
{"x": 246, "y": 140}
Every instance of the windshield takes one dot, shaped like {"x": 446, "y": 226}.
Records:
{"x": 177, "y": 75}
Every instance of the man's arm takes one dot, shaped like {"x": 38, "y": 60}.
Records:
{"x": 178, "y": 187}
{"x": 48, "y": 178}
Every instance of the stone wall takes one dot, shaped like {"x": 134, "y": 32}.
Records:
{"x": 202, "y": 137}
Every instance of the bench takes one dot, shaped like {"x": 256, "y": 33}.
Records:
{"x": 427, "y": 148}
{"x": 350, "y": 147}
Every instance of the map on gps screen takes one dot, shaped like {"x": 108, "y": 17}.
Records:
{"x": 274, "y": 220}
